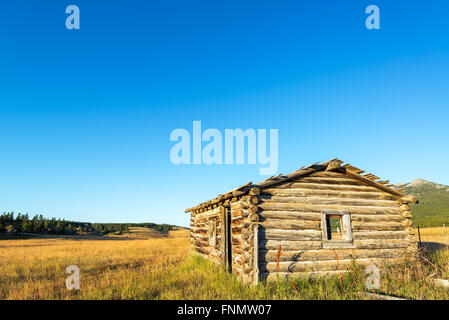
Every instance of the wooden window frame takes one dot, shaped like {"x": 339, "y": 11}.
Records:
{"x": 348, "y": 238}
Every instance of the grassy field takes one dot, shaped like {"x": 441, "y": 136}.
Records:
{"x": 439, "y": 235}
{"x": 150, "y": 265}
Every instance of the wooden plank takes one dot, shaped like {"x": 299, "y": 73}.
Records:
{"x": 381, "y": 244}
{"x": 369, "y": 195}
{"x": 291, "y": 224}
{"x": 379, "y": 235}
{"x": 440, "y": 282}
{"x": 371, "y": 176}
{"x": 256, "y": 255}
{"x": 330, "y": 201}
{"x": 328, "y": 254}
{"x": 325, "y": 186}
{"x": 378, "y": 226}
{"x": 352, "y": 168}
{"x": 329, "y": 265}
{"x": 279, "y": 234}
{"x": 225, "y": 239}
{"x": 273, "y": 206}
{"x": 376, "y": 296}
{"x": 327, "y": 174}
{"x": 274, "y": 276}
{"x": 374, "y": 184}
{"x": 279, "y": 214}
{"x": 288, "y": 244}
{"x": 331, "y": 180}
{"x": 376, "y": 218}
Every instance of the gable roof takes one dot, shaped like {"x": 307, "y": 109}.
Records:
{"x": 331, "y": 165}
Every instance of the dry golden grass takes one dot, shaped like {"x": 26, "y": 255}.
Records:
{"x": 440, "y": 235}
{"x": 35, "y": 268}
{"x": 145, "y": 265}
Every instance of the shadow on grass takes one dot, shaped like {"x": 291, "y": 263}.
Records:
{"x": 431, "y": 247}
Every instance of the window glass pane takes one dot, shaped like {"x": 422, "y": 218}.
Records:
{"x": 334, "y": 228}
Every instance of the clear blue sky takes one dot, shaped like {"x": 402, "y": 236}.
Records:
{"x": 86, "y": 115}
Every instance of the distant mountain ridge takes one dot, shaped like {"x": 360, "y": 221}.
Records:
{"x": 433, "y": 207}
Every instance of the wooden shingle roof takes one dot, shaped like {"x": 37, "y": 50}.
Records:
{"x": 331, "y": 165}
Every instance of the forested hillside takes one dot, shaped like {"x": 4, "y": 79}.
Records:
{"x": 433, "y": 207}
{"x": 11, "y": 224}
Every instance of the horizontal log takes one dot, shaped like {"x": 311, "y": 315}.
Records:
{"x": 408, "y": 222}
{"x": 203, "y": 222}
{"x": 239, "y": 213}
{"x": 331, "y": 180}
{"x": 237, "y": 250}
{"x": 246, "y": 233}
{"x": 330, "y": 201}
{"x": 290, "y": 224}
{"x": 265, "y": 215}
{"x": 279, "y": 234}
{"x": 215, "y": 253}
{"x": 381, "y": 244}
{"x": 203, "y": 250}
{"x": 240, "y": 222}
{"x": 379, "y": 235}
{"x": 273, "y": 206}
{"x": 274, "y": 276}
{"x": 325, "y": 254}
{"x": 254, "y": 192}
{"x": 376, "y": 296}
{"x": 237, "y": 269}
{"x": 237, "y": 237}
{"x": 248, "y": 267}
{"x": 247, "y": 246}
{"x": 215, "y": 213}
{"x": 199, "y": 237}
{"x": 200, "y": 230}
{"x": 377, "y": 218}
{"x": 406, "y": 214}
{"x": 330, "y": 265}
{"x": 328, "y": 174}
{"x": 235, "y": 230}
{"x": 324, "y": 186}
{"x": 378, "y": 226}
{"x": 201, "y": 242}
{"x": 288, "y": 244}
{"x": 369, "y": 195}
{"x": 243, "y": 205}
{"x": 253, "y": 199}
{"x": 253, "y": 217}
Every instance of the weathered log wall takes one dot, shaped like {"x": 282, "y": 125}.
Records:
{"x": 290, "y": 220}
{"x": 200, "y": 232}
{"x": 244, "y": 228}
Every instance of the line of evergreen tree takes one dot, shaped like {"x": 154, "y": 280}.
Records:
{"x": 22, "y": 223}
{"x": 122, "y": 227}
{"x": 11, "y": 224}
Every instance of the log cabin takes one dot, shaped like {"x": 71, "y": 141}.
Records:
{"x": 315, "y": 221}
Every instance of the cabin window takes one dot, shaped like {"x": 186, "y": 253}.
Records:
{"x": 336, "y": 228}
{"x": 212, "y": 232}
